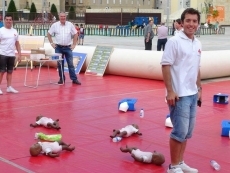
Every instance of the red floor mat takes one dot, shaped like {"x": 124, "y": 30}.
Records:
{"x": 88, "y": 114}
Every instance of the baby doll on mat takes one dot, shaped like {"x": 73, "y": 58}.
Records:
{"x": 126, "y": 131}
{"x": 51, "y": 149}
{"x": 146, "y": 157}
{"x": 46, "y": 122}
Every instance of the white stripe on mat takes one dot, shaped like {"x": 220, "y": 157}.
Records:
{"x": 15, "y": 165}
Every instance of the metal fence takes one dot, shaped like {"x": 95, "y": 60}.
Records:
{"x": 45, "y": 18}
{"x": 23, "y": 29}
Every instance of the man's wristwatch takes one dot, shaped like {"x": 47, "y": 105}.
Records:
{"x": 199, "y": 88}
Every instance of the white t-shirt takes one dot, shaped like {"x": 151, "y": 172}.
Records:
{"x": 63, "y": 33}
{"x": 48, "y": 147}
{"x": 146, "y": 156}
{"x": 129, "y": 129}
{"x": 44, "y": 121}
{"x": 8, "y": 37}
{"x": 178, "y": 31}
{"x": 183, "y": 54}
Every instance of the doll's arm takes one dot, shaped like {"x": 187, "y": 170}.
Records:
{"x": 136, "y": 158}
{"x": 139, "y": 133}
{"x": 53, "y": 154}
{"x": 34, "y": 125}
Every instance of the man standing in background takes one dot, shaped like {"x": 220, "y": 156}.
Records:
{"x": 178, "y": 26}
{"x": 8, "y": 42}
{"x": 162, "y": 33}
{"x": 173, "y": 27}
{"x": 148, "y": 34}
{"x": 63, "y": 32}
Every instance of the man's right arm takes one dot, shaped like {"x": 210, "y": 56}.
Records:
{"x": 168, "y": 59}
{"x": 167, "y": 77}
{"x": 171, "y": 95}
{"x": 148, "y": 29}
{"x": 49, "y": 36}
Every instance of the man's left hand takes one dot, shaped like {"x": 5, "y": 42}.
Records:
{"x": 19, "y": 58}
{"x": 73, "y": 46}
{"x": 200, "y": 95}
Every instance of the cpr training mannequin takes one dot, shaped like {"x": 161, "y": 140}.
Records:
{"x": 51, "y": 149}
{"x": 126, "y": 131}
{"x": 146, "y": 157}
{"x": 46, "y": 122}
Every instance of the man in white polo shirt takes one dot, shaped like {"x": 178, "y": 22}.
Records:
{"x": 63, "y": 32}
{"x": 180, "y": 67}
{"x": 8, "y": 43}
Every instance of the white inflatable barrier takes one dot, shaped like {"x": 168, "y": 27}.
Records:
{"x": 146, "y": 64}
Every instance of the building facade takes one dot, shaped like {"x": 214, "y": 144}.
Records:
{"x": 82, "y": 5}
{"x": 41, "y": 5}
{"x": 168, "y": 6}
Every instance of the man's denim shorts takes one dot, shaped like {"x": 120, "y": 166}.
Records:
{"x": 183, "y": 117}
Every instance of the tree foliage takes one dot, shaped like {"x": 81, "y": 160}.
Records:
{"x": 72, "y": 13}
{"x": 54, "y": 11}
{"x": 12, "y": 10}
{"x": 33, "y": 12}
{"x": 215, "y": 13}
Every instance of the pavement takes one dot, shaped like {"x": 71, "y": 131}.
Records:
{"x": 209, "y": 42}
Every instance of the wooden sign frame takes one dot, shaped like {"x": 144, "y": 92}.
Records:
{"x": 99, "y": 61}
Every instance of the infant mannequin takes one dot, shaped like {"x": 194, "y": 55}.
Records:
{"x": 51, "y": 149}
{"x": 126, "y": 131}
{"x": 46, "y": 122}
{"x": 146, "y": 157}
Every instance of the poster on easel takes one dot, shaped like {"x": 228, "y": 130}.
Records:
{"x": 99, "y": 61}
{"x": 78, "y": 61}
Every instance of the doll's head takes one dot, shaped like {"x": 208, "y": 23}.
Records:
{"x": 35, "y": 149}
{"x": 158, "y": 158}
{"x": 135, "y": 125}
{"x": 38, "y": 117}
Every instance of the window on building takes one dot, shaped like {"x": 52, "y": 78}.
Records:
{"x": 143, "y": 2}
{"x": 67, "y": 2}
{"x": 94, "y": 1}
{"x": 137, "y": 2}
{"x": 100, "y": 1}
{"x": 148, "y": 2}
{"x": 120, "y": 1}
{"x": 81, "y": 1}
{"x": 107, "y": 1}
{"x": 131, "y": 2}
{"x": 114, "y": 1}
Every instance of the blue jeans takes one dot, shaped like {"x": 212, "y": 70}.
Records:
{"x": 67, "y": 53}
{"x": 183, "y": 117}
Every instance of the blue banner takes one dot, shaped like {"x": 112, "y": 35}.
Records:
{"x": 78, "y": 61}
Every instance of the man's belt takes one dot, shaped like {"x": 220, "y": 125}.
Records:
{"x": 62, "y": 45}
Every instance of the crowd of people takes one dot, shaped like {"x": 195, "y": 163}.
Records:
{"x": 163, "y": 32}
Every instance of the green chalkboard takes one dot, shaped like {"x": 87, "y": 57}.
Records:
{"x": 99, "y": 61}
